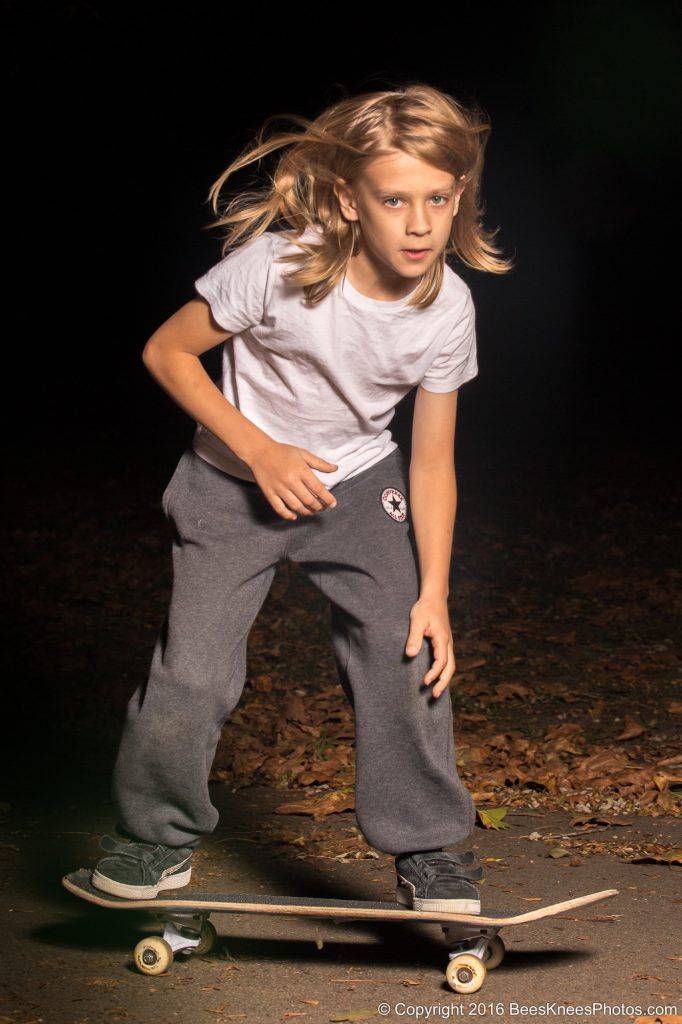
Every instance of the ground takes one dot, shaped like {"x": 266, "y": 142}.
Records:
{"x": 564, "y": 603}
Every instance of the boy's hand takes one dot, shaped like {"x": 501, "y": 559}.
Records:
{"x": 283, "y": 473}
{"x": 429, "y": 617}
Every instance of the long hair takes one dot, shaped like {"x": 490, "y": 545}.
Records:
{"x": 415, "y": 119}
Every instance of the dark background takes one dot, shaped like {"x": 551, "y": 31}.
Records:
{"x": 119, "y": 118}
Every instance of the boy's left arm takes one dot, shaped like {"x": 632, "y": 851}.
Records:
{"x": 433, "y": 507}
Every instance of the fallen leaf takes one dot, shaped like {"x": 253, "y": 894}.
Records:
{"x": 660, "y": 857}
{"x": 561, "y": 638}
{"x": 632, "y": 728}
{"x": 492, "y": 817}
{"x": 358, "y": 1015}
{"x": 667, "y": 761}
{"x": 512, "y": 690}
{"x": 584, "y": 821}
{"x": 664, "y": 780}
{"x": 469, "y": 754}
{"x": 669, "y": 1018}
{"x": 331, "y": 803}
{"x": 467, "y": 664}
{"x": 604, "y": 761}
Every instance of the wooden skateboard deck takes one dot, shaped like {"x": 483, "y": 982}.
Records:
{"x": 188, "y": 929}
{"x": 215, "y": 903}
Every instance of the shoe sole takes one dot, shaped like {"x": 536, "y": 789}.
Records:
{"x": 460, "y": 906}
{"x": 140, "y": 892}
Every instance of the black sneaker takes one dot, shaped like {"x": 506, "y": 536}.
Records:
{"x": 139, "y": 871}
{"x": 436, "y": 880}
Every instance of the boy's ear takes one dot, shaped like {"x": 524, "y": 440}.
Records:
{"x": 345, "y": 198}
{"x": 461, "y": 185}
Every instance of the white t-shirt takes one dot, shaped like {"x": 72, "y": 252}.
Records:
{"x": 327, "y": 378}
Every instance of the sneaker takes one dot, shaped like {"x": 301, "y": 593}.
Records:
{"x": 139, "y": 871}
{"x": 436, "y": 880}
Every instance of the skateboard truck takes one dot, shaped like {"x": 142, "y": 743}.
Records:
{"x": 182, "y": 933}
{"x": 472, "y": 952}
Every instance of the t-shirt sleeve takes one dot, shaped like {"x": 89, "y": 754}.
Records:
{"x": 456, "y": 363}
{"x": 235, "y": 287}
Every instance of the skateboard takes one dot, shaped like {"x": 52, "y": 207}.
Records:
{"x": 474, "y": 947}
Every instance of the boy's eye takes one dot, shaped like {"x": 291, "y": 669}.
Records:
{"x": 396, "y": 199}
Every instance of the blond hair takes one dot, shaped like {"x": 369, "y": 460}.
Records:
{"x": 416, "y": 119}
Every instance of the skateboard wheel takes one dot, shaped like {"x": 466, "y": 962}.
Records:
{"x": 208, "y": 939}
{"x": 153, "y": 955}
{"x": 465, "y": 973}
{"x": 495, "y": 955}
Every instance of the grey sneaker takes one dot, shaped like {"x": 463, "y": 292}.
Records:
{"x": 139, "y": 871}
{"x": 436, "y": 880}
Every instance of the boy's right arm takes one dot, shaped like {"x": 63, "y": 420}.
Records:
{"x": 283, "y": 472}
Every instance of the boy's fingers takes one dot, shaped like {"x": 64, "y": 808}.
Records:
{"x": 297, "y": 504}
{"x": 327, "y": 498}
{"x": 320, "y": 492}
{"x": 281, "y": 509}
{"x": 439, "y": 664}
{"x": 441, "y": 660}
{"x": 414, "y": 642}
{"x": 437, "y": 690}
{"x": 308, "y": 499}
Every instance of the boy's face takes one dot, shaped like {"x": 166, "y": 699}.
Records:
{"x": 402, "y": 203}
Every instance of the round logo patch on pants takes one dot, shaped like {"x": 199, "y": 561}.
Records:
{"x": 394, "y": 504}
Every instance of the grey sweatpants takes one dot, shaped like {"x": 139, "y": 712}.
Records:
{"x": 227, "y": 541}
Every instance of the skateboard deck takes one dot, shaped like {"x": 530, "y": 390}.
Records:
{"x": 188, "y": 929}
